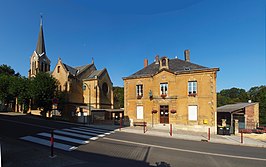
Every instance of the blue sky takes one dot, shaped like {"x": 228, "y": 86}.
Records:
{"x": 120, "y": 34}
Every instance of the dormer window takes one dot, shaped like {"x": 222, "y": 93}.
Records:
{"x": 164, "y": 63}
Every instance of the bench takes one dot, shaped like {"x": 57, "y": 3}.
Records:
{"x": 139, "y": 124}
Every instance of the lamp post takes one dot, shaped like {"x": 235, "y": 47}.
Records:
{"x": 89, "y": 104}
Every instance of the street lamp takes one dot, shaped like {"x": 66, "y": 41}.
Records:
{"x": 89, "y": 104}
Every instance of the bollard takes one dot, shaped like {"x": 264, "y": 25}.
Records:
{"x": 209, "y": 133}
{"x": 144, "y": 126}
{"x": 52, "y": 143}
{"x": 120, "y": 123}
{"x": 171, "y": 130}
{"x": 241, "y": 137}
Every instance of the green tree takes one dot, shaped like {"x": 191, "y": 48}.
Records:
{"x": 258, "y": 94}
{"x": 43, "y": 90}
{"x": 118, "y": 97}
{"x": 7, "y": 70}
{"x": 5, "y": 96}
{"x": 231, "y": 96}
{"x": 19, "y": 89}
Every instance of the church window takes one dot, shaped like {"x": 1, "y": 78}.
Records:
{"x": 42, "y": 67}
{"x": 58, "y": 69}
{"x": 105, "y": 89}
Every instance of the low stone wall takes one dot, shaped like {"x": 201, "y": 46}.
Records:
{"x": 35, "y": 112}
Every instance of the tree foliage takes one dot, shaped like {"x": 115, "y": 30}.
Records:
{"x": 258, "y": 94}
{"x": 118, "y": 97}
{"x": 7, "y": 70}
{"x": 11, "y": 85}
{"x": 231, "y": 96}
{"x": 43, "y": 90}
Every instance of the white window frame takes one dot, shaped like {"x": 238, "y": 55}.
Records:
{"x": 139, "y": 112}
{"x": 139, "y": 90}
{"x": 192, "y": 113}
{"x": 192, "y": 87}
{"x": 164, "y": 88}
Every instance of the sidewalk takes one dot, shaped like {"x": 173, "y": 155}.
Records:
{"x": 196, "y": 136}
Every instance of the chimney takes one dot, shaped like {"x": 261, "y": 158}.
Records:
{"x": 187, "y": 55}
{"x": 145, "y": 63}
{"x": 157, "y": 59}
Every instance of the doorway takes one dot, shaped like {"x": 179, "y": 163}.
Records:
{"x": 164, "y": 114}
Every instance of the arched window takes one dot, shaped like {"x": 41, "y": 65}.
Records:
{"x": 105, "y": 89}
{"x": 163, "y": 62}
{"x": 58, "y": 69}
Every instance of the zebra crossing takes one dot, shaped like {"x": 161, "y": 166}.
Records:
{"x": 68, "y": 139}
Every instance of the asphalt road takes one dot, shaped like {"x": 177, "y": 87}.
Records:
{"x": 119, "y": 149}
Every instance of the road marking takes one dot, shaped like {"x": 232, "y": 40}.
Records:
{"x": 75, "y": 135}
{"x": 96, "y": 131}
{"x": 82, "y": 132}
{"x": 47, "y": 143}
{"x": 190, "y": 151}
{"x": 64, "y": 138}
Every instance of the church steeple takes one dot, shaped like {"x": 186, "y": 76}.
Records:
{"x": 40, "y": 49}
{"x": 39, "y": 61}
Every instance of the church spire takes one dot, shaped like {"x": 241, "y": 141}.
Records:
{"x": 40, "y": 49}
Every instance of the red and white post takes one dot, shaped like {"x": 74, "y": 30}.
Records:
{"x": 52, "y": 143}
{"x": 209, "y": 134}
{"x": 241, "y": 137}
{"x": 171, "y": 130}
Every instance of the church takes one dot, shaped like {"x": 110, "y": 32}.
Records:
{"x": 86, "y": 89}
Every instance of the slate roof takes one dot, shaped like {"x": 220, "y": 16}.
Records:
{"x": 76, "y": 70}
{"x": 175, "y": 66}
{"x": 72, "y": 70}
{"x": 233, "y": 107}
{"x": 40, "y": 48}
{"x": 95, "y": 73}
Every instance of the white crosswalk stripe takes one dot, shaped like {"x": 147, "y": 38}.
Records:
{"x": 72, "y": 140}
{"x": 95, "y": 131}
{"x": 82, "y": 132}
{"x": 68, "y": 139}
{"x": 47, "y": 143}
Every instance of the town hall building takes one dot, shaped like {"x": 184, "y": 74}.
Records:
{"x": 172, "y": 91}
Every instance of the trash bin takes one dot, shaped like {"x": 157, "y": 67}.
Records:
{"x": 220, "y": 130}
{"x": 227, "y": 130}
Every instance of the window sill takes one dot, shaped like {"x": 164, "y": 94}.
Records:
{"x": 192, "y": 95}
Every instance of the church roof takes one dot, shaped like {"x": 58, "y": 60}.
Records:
{"x": 76, "y": 70}
{"x": 96, "y": 73}
{"x": 70, "y": 69}
{"x": 40, "y": 48}
{"x": 175, "y": 66}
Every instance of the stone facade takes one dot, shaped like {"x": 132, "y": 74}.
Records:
{"x": 85, "y": 86}
{"x": 252, "y": 116}
{"x": 167, "y": 95}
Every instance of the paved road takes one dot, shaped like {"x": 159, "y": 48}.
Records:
{"x": 118, "y": 149}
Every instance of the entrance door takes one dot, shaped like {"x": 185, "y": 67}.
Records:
{"x": 164, "y": 114}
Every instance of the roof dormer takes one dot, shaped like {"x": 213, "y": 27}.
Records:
{"x": 164, "y": 63}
